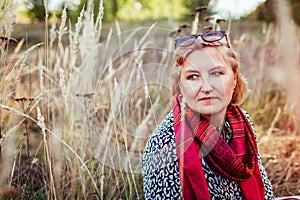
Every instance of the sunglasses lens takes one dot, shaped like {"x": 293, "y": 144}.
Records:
{"x": 185, "y": 41}
{"x": 213, "y": 36}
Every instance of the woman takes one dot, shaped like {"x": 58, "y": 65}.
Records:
{"x": 205, "y": 148}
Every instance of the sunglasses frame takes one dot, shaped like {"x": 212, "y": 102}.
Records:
{"x": 202, "y": 36}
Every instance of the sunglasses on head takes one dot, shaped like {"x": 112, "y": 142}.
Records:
{"x": 212, "y": 36}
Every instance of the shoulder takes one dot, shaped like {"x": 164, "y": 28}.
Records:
{"x": 251, "y": 123}
{"x": 160, "y": 149}
{"x": 247, "y": 116}
{"x": 159, "y": 163}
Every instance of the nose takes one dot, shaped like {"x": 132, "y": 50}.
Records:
{"x": 206, "y": 86}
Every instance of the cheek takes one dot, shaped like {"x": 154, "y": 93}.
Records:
{"x": 182, "y": 83}
{"x": 186, "y": 88}
{"x": 183, "y": 87}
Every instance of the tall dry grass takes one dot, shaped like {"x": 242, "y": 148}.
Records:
{"x": 77, "y": 110}
{"x": 272, "y": 67}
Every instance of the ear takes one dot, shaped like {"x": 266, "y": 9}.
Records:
{"x": 234, "y": 83}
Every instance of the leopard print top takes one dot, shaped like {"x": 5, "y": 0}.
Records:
{"x": 160, "y": 169}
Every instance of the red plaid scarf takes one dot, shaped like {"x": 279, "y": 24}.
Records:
{"x": 236, "y": 161}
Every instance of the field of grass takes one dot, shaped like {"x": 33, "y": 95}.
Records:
{"x": 78, "y": 103}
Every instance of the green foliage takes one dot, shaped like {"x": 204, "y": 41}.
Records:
{"x": 74, "y": 14}
{"x": 152, "y": 9}
{"x": 135, "y": 10}
{"x": 155, "y": 9}
{"x": 111, "y": 8}
{"x": 35, "y": 9}
{"x": 265, "y": 12}
{"x": 192, "y": 4}
{"x": 296, "y": 10}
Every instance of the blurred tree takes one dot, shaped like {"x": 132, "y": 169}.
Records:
{"x": 192, "y": 4}
{"x": 265, "y": 12}
{"x": 111, "y": 8}
{"x": 35, "y": 9}
{"x": 135, "y": 9}
{"x": 296, "y": 10}
{"x": 151, "y": 9}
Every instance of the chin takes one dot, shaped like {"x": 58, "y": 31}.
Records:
{"x": 211, "y": 111}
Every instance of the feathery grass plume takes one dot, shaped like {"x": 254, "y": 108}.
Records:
{"x": 146, "y": 89}
{"x": 7, "y": 16}
{"x": 62, "y": 30}
{"x": 41, "y": 124}
{"x": 6, "y": 97}
{"x": 88, "y": 35}
{"x": 15, "y": 111}
{"x": 9, "y": 133}
{"x": 53, "y": 33}
{"x": 98, "y": 24}
{"x": 74, "y": 38}
{"x": 7, "y": 19}
{"x": 62, "y": 84}
{"x": 41, "y": 68}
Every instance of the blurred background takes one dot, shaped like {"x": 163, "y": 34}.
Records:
{"x": 134, "y": 13}
{"x": 84, "y": 83}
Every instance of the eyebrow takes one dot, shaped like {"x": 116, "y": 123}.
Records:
{"x": 197, "y": 71}
{"x": 192, "y": 71}
{"x": 218, "y": 67}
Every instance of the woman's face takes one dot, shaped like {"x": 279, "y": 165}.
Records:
{"x": 207, "y": 82}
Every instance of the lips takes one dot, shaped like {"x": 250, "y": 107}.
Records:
{"x": 207, "y": 99}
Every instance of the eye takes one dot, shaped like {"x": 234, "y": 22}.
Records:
{"x": 192, "y": 77}
{"x": 216, "y": 73}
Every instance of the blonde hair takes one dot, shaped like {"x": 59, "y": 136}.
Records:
{"x": 229, "y": 56}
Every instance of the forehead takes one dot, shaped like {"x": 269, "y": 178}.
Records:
{"x": 205, "y": 57}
